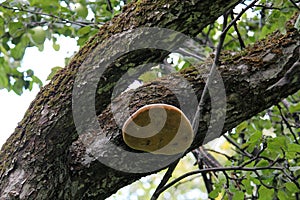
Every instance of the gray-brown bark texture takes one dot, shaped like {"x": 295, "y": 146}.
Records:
{"x": 45, "y": 159}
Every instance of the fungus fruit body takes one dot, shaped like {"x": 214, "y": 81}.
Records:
{"x": 158, "y": 129}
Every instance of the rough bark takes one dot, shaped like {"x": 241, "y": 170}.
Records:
{"x": 45, "y": 159}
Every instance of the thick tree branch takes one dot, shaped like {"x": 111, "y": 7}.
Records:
{"x": 248, "y": 77}
{"x": 45, "y": 159}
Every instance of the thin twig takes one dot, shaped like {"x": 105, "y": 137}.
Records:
{"x": 216, "y": 170}
{"x": 165, "y": 179}
{"x": 211, "y": 73}
{"x": 242, "y": 151}
{"x": 208, "y": 159}
{"x": 207, "y": 180}
{"x": 207, "y": 40}
{"x": 268, "y": 7}
{"x": 292, "y": 175}
{"x": 287, "y": 124}
{"x": 62, "y": 20}
{"x": 295, "y": 4}
{"x": 255, "y": 157}
{"x": 216, "y": 59}
{"x": 261, "y": 182}
{"x": 111, "y": 9}
{"x": 241, "y": 41}
{"x": 222, "y": 154}
{"x": 239, "y": 16}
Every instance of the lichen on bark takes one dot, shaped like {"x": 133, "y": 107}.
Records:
{"x": 43, "y": 159}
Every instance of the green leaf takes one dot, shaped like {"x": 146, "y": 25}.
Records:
{"x": 282, "y": 195}
{"x": 185, "y": 65}
{"x": 18, "y": 86}
{"x": 66, "y": 31}
{"x": 15, "y": 29}
{"x": 30, "y": 86}
{"x": 45, "y": 4}
{"x": 294, "y": 148}
{"x": 40, "y": 47}
{"x": 81, "y": 41}
{"x": 37, "y": 81}
{"x": 265, "y": 193}
{"x": 257, "y": 136}
{"x": 2, "y": 28}
{"x": 83, "y": 31}
{"x": 238, "y": 195}
{"x": 277, "y": 143}
{"x": 5, "y": 45}
{"x": 262, "y": 163}
{"x": 255, "y": 180}
{"x": 292, "y": 187}
{"x": 266, "y": 124}
{"x": 18, "y": 52}
{"x": 247, "y": 185}
{"x": 29, "y": 73}
{"x": 53, "y": 72}
{"x": 286, "y": 10}
{"x": 214, "y": 194}
{"x": 56, "y": 47}
{"x": 295, "y": 108}
{"x": 3, "y": 80}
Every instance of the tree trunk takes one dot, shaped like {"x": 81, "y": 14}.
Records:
{"x": 48, "y": 157}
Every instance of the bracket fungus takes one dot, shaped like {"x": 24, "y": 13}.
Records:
{"x": 158, "y": 129}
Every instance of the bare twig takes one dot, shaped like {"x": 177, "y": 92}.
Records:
{"x": 208, "y": 159}
{"x": 287, "y": 124}
{"x": 206, "y": 179}
{"x": 207, "y": 40}
{"x": 261, "y": 182}
{"x": 216, "y": 59}
{"x": 111, "y": 9}
{"x": 222, "y": 154}
{"x": 242, "y": 151}
{"x": 295, "y": 4}
{"x": 234, "y": 168}
{"x": 241, "y": 41}
{"x": 292, "y": 175}
{"x": 255, "y": 157}
{"x": 165, "y": 179}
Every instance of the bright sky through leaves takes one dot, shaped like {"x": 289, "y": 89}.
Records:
{"x": 12, "y": 106}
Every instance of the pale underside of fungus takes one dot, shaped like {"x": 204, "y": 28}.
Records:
{"x": 158, "y": 129}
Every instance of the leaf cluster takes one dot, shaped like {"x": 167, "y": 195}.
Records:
{"x": 29, "y": 23}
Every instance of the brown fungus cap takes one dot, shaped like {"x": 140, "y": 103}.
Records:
{"x": 158, "y": 129}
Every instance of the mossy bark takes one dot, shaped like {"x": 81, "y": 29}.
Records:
{"x": 44, "y": 159}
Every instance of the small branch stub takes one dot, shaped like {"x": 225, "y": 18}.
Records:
{"x": 158, "y": 129}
